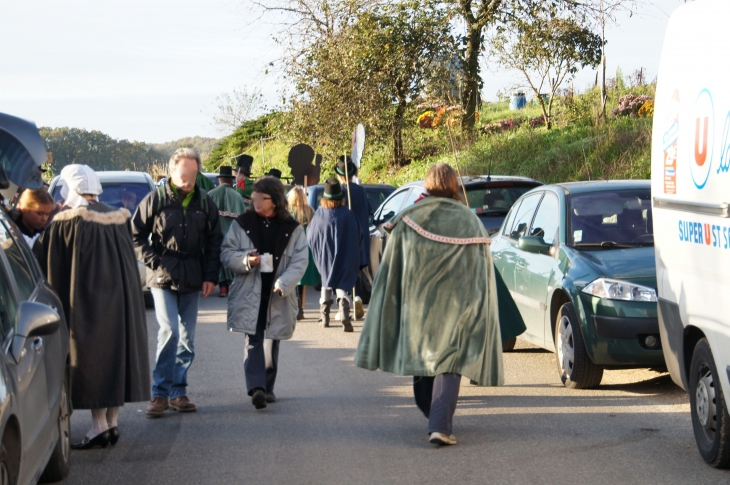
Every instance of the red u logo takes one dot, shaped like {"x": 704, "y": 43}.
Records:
{"x": 707, "y": 232}
{"x": 701, "y": 156}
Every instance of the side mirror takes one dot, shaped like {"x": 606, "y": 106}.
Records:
{"x": 34, "y": 320}
{"x": 534, "y": 244}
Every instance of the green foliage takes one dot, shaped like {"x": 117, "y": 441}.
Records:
{"x": 97, "y": 150}
{"x": 368, "y": 73}
{"x": 545, "y": 50}
{"x": 246, "y": 139}
{"x": 201, "y": 145}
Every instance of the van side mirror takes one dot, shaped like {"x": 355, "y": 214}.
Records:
{"x": 534, "y": 244}
{"x": 34, "y": 320}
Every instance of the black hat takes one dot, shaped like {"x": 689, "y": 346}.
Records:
{"x": 226, "y": 172}
{"x": 333, "y": 190}
{"x": 244, "y": 163}
{"x": 340, "y": 167}
{"x": 274, "y": 173}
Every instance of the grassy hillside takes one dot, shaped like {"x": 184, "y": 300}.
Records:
{"x": 579, "y": 147}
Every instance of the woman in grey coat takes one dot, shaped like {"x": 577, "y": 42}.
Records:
{"x": 267, "y": 252}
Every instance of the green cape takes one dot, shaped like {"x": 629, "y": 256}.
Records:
{"x": 434, "y": 304}
{"x": 230, "y": 205}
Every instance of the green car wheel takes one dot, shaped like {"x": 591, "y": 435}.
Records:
{"x": 575, "y": 367}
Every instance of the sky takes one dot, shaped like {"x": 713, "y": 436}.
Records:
{"x": 151, "y": 70}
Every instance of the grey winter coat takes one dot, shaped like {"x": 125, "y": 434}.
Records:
{"x": 244, "y": 297}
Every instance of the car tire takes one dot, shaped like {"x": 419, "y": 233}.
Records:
{"x": 149, "y": 302}
{"x": 509, "y": 345}
{"x": 575, "y": 367}
{"x": 8, "y": 469}
{"x": 57, "y": 468}
{"x": 710, "y": 420}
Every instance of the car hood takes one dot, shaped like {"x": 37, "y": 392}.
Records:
{"x": 635, "y": 264}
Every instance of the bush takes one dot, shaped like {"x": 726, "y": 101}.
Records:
{"x": 630, "y": 104}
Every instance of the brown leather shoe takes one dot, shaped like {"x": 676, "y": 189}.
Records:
{"x": 182, "y": 405}
{"x": 157, "y": 407}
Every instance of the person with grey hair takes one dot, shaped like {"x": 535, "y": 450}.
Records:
{"x": 177, "y": 234}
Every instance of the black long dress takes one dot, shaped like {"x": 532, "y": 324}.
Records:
{"x": 88, "y": 257}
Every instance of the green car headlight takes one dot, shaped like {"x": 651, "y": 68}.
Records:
{"x": 619, "y": 290}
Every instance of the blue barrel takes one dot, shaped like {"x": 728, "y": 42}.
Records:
{"x": 517, "y": 101}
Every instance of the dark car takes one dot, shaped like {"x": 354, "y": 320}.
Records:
{"x": 377, "y": 193}
{"x": 121, "y": 189}
{"x": 578, "y": 259}
{"x": 34, "y": 361}
{"x": 490, "y": 197}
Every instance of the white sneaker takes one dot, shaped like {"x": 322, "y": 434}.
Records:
{"x": 441, "y": 439}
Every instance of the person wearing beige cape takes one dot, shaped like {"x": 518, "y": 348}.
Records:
{"x": 425, "y": 318}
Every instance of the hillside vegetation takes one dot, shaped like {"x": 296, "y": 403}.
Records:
{"x": 580, "y": 146}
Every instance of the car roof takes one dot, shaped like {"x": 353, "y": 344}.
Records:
{"x": 106, "y": 176}
{"x": 601, "y": 185}
{"x": 482, "y": 179}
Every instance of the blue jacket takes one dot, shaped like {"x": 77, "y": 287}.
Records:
{"x": 334, "y": 235}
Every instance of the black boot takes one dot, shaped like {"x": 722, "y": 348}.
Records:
{"x": 345, "y": 314}
{"x": 300, "y": 315}
{"x": 324, "y": 311}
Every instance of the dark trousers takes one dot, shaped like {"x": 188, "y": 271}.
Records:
{"x": 436, "y": 397}
{"x": 261, "y": 356}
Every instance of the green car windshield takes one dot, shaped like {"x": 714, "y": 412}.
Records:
{"x": 608, "y": 220}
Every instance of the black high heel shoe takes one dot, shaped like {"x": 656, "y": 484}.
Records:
{"x": 113, "y": 435}
{"x": 101, "y": 440}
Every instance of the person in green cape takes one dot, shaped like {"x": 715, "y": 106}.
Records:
{"x": 230, "y": 206}
{"x": 303, "y": 213}
{"x": 244, "y": 184}
{"x": 204, "y": 182}
{"x": 425, "y": 319}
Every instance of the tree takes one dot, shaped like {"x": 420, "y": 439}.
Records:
{"x": 97, "y": 150}
{"x": 236, "y": 108}
{"x": 604, "y": 14}
{"x": 545, "y": 50}
{"x": 368, "y": 73}
{"x": 400, "y": 46}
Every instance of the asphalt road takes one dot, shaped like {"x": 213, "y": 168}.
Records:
{"x": 335, "y": 423}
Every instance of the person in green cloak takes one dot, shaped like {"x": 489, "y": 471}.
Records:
{"x": 425, "y": 319}
{"x": 204, "y": 182}
{"x": 244, "y": 184}
{"x": 230, "y": 206}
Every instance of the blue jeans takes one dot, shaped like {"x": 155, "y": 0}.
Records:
{"x": 177, "y": 314}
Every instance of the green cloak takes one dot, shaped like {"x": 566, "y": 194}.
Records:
{"x": 230, "y": 206}
{"x": 204, "y": 182}
{"x": 246, "y": 193}
{"x": 434, "y": 304}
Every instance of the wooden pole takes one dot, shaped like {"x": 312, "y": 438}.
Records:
{"x": 456, "y": 163}
{"x": 349, "y": 204}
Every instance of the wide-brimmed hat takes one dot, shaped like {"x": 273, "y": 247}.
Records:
{"x": 333, "y": 189}
{"x": 244, "y": 163}
{"x": 274, "y": 173}
{"x": 225, "y": 172}
{"x": 340, "y": 167}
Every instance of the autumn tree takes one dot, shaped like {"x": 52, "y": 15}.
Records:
{"x": 545, "y": 51}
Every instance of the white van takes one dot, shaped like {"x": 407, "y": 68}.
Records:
{"x": 690, "y": 173}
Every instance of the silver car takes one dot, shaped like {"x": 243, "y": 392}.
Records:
{"x": 121, "y": 189}
{"x": 34, "y": 357}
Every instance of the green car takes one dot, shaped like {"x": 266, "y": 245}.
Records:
{"x": 578, "y": 260}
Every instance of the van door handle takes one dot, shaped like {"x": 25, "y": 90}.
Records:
{"x": 38, "y": 344}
